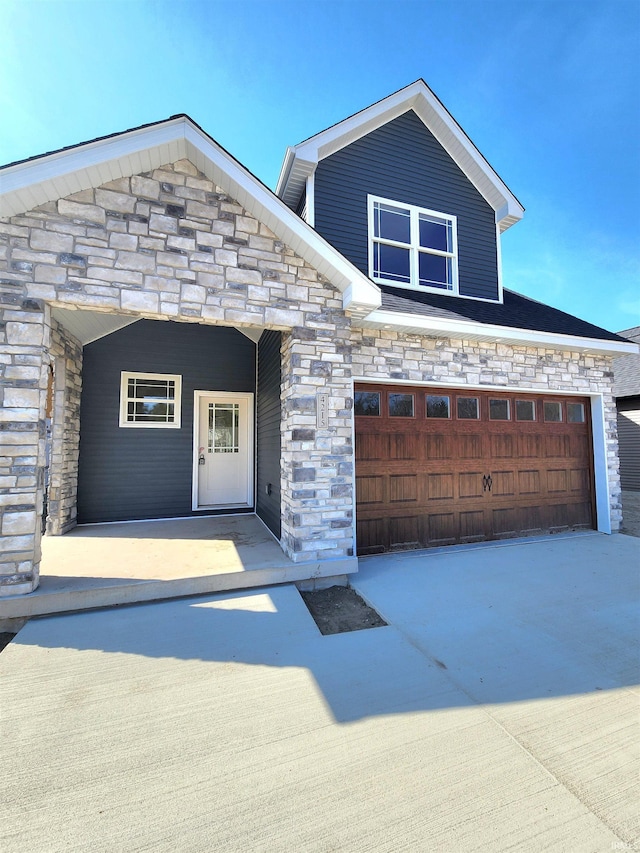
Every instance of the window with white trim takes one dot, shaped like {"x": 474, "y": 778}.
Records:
{"x": 412, "y": 247}
{"x": 150, "y": 400}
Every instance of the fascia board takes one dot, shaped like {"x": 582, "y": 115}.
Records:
{"x": 441, "y": 326}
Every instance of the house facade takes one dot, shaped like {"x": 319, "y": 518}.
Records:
{"x": 340, "y": 357}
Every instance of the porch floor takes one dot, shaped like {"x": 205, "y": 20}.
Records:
{"x": 101, "y": 565}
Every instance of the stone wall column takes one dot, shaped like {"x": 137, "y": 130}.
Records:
{"x": 66, "y": 354}
{"x": 317, "y": 463}
{"x": 24, "y": 369}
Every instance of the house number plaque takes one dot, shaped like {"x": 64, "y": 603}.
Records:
{"x": 322, "y": 411}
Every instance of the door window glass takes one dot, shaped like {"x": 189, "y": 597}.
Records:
{"x": 367, "y": 403}
{"x": 575, "y": 413}
{"x": 401, "y": 405}
{"x": 499, "y": 410}
{"x": 437, "y": 406}
{"x": 525, "y": 410}
{"x": 223, "y": 427}
{"x": 468, "y": 408}
{"x": 552, "y": 411}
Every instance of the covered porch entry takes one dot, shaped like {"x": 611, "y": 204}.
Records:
{"x": 102, "y": 565}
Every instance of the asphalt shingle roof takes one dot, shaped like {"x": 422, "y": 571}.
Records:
{"x": 516, "y": 311}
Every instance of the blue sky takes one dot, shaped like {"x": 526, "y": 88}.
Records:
{"x": 548, "y": 91}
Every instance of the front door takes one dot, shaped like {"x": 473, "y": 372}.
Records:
{"x": 224, "y": 457}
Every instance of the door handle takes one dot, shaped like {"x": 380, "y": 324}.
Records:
{"x": 487, "y": 482}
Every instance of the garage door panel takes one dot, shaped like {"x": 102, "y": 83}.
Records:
{"x": 470, "y": 484}
{"x": 579, "y": 515}
{"x": 403, "y": 446}
{"x": 502, "y": 446}
{"x": 429, "y": 480}
{"x": 506, "y": 521}
{"x": 403, "y": 488}
{"x": 529, "y": 445}
{"x": 529, "y": 482}
{"x": 404, "y": 532}
{"x": 504, "y": 483}
{"x": 439, "y": 487}
{"x": 470, "y": 446}
{"x": 557, "y": 480}
{"x": 472, "y": 526}
{"x": 579, "y": 480}
{"x": 557, "y": 446}
{"x": 372, "y": 535}
{"x": 372, "y": 447}
{"x": 438, "y": 446}
{"x": 441, "y": 529}
{"x": 370, "y": 490}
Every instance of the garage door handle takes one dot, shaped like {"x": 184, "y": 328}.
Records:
{"x": 487, "y": 482}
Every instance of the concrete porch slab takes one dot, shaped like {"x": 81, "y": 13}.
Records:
{"x": 102, "y": 565}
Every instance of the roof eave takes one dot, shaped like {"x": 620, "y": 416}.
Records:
{"x": 443, "y": 327}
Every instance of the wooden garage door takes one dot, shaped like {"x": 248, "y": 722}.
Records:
{"x": 440, "y": 467}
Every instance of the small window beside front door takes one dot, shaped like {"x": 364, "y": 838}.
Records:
{"x": 150, "y": 400}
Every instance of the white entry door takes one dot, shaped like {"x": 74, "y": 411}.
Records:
{"x": 224, "y": 450}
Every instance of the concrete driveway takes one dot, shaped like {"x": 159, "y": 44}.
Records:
{"x": 498, "y": 711}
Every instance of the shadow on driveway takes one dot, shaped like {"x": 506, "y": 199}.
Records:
{"x": 490, "y": 625}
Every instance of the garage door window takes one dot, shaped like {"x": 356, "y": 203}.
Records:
{"x": 468, "y": 408}
{"x": 437, "y": 406}
{"x": 401, "y": 405}
{"x": 575, "y": 413}
{"x": 499, "y": 410}
{"x": 552, "y": 412}
{"x": 525, "y": 410}
{"x": 367, "y": 403}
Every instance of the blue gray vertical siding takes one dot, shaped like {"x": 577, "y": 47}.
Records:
{"x": 404, "y": 162}
{"x": 269, "y": 418}
{"x": 127, "y": 474}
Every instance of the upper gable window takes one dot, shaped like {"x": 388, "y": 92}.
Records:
{"x": 412, "y": 247}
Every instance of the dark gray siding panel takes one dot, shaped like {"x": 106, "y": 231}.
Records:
{"x": 403, "y": 161}
{"x": 269, "y": 418}
{"x": 629, "y": 442}
{"x": 147, "y": 473}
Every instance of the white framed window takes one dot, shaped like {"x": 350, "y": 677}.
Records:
{"x": 150, "y": 400}
{"x": 412, "y": 246}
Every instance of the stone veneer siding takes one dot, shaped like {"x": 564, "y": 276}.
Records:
{"x": 167, "y": 245}
{"x": 170, "y": 245}
{"x": 66, "y": 356}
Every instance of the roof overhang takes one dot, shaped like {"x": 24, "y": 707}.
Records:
{"x": 301, "y": 160}
{"x": 29, "y": 184}
{"x": 441, "y": 327}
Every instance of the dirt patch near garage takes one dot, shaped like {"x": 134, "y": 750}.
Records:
{"x": 339, "y": 609}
